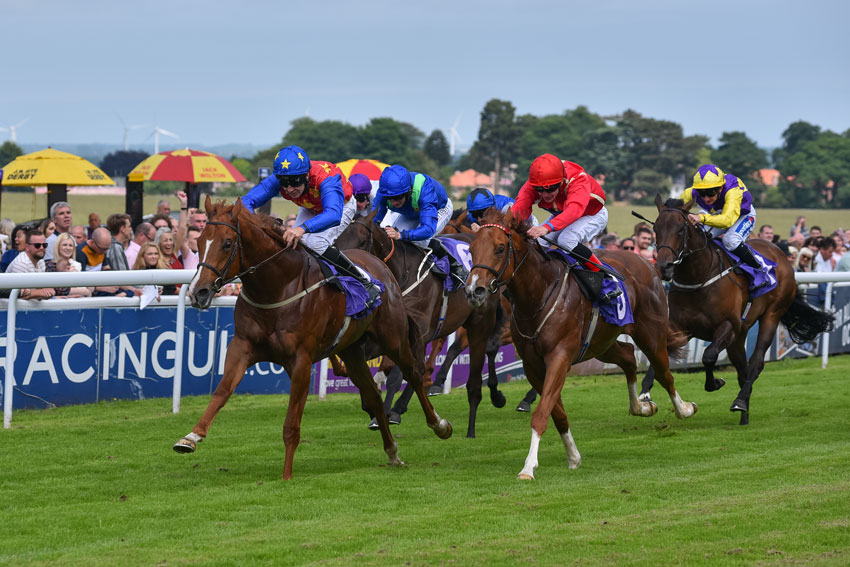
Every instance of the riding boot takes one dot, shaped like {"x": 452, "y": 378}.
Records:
{"x": 346, "y": 268}
{"x": 746, "y": 255}
{"x": 456, "y": 269}
{"x": 591, "y": 262}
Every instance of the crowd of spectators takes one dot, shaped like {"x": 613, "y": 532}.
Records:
{"x": 57, "y": 245}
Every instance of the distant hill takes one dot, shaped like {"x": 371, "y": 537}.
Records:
{"x": 95, "y": 152}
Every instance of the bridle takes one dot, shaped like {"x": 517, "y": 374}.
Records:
{"x": 371, "y": 243}
{"x": 499, "y": 282}
{"x": 684, "y": 251}
{"x": 220, "y": 281}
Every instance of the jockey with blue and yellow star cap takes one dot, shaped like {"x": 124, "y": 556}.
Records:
{"x": 423, "y": 210}
{"x": 727, "y": 209}
{"x": 326, "y": 208}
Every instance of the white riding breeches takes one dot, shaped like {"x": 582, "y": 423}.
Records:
{"x": 444, "y": 215}
{"x": 319, "y": 241}
{"x": 582, "y": 230}
{"x": 738, "y": 232}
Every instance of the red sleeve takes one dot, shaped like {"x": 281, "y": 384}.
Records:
{"x": 524, "y": 201}
{"x": 575, "y": 202}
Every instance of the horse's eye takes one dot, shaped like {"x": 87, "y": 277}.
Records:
{"x": 227, "y": 244}
{"x": 500, "y": 250}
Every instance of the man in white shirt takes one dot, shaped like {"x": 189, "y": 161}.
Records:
{"x": 31, "y": 261}
{"x": 825, "y": 261}
{"x": 61, "y": 214}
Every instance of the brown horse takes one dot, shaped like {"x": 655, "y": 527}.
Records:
{"x": 287, "y": 315}
{"x": 554, "y": 325}
{"x": 436, "y": 316}
{"x": 708, "y": 300}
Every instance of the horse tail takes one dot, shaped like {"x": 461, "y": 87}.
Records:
{"x": 677, "y": 343}
{"x": 805, "y": 322}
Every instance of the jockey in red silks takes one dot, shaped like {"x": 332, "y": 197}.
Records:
{"x": 575, "y": 200}
{"x": 326, "y": 207}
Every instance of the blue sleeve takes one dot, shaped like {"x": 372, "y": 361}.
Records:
{"x": 380, "y": 203}
{"x": 427, "y": 216}
{"x": 333, "y": 200}
{"x": 261, "y": 193}
{"x": 503, "y": 203}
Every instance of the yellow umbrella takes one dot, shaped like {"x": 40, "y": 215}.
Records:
{"x": 52, "y": 167}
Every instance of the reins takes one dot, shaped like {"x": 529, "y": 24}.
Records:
{"x": 498, "y": 282}
{"x": 685, "y": 251}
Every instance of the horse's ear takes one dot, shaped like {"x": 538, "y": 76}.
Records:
{"x": 510, "y": 220}
{"x": 688, "y": 205}
{"x": 371, "y": 216}
{"x": 237, "y": 207}
{"x": 658, "y": 202}
{"x": 208, "y": 206}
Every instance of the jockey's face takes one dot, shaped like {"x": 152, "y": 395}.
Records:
{"x": 549, "y": 192}
{"x": 398, "y": 201}
{"x": 294, "y": 185}
{"x": 709, "y": 195}
{"x": 362, "y": 201}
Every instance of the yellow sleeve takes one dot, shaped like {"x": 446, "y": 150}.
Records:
{"x": 731, "y": 209}
{"x": 687, "y": 195}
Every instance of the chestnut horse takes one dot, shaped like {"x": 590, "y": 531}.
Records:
{"x": 423, "y": 296}
{"x": 554, "y": 325}
{"x": 708, "y": 300}
{"x": 287, "y": 315}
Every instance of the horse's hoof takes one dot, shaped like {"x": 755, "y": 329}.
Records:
{"x": 694, "y": 404}
{"x": 394, "y": 418}
{"x": 718, "y": 383}
{"x": 435, "y": 390}
{"x": 523, "y": 407}
{"x": 444, "y": 429}
{"x": 524, "y": 476}
{"x": 645, "y": 397}
{"x": 373, "y": 425}
{"x": 497, "y": 398}
{"x": 185, "y": 446}
{"x": 739, "y": 405}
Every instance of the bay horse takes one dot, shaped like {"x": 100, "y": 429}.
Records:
{"x": 423, "y": 297}
{"x": 553, "y": 322}
{"x": 286, "y": 314}
{"x": 708, "y": 300}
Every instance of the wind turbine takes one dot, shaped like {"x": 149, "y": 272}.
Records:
{"x": 13, "y": 130}
{"x": 454, "y": 136}
{"x": 156, "y": 132}
{"x": 127, "y": 130}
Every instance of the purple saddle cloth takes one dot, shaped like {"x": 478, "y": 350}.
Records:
{"x": 617, "y": 312}
{"x": 460, "y": 250}
{"x": 356, "y": 294}
{"x": 756, "y": 277}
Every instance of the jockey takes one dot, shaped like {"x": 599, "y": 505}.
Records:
{"x": 362, "y": 187}
{"x": 326, "y": 207}
{"x": 423, "y": 210}
{"x": 728, "y": 210}
{"x": 481, "y": 199}
{"x": 575, "y": 200}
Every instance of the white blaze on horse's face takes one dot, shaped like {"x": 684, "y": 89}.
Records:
{"x": 194, "y": 281}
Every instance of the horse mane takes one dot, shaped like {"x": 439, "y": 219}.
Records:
{"x": 267, "y": 223}
{"x": 674, "y": 203}
{"x": 457, "y": 212}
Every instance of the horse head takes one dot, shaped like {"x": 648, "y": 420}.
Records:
{"x": 494, "y": 255}
{"x": 673, "y": 235}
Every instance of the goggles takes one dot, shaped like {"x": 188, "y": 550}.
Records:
{"x": 361, "y": 198}
{"x": 549, "y": 188}
{"x": 399, "y": 197}
{"x": 292, "y": 180}
{"x": 708, "y": 192}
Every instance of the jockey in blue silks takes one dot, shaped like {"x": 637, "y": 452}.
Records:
{"x": 326, "y": 207}
{"x": 423, "y": 210}
{"x": 728, "y": 210}
{"x": 481, "y": 199}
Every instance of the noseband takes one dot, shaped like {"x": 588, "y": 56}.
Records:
{"x": 499, "y": 282}
{"x": 684, "y": 251}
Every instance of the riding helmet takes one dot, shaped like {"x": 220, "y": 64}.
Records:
{"x": 708, "y": 176}
{"x": 480, "y": 199}
{"x": 291, "y": 160}
{"x": 361, "y": 184}
{"x": 395, "y": 181}
{"x": 546, "y": 170}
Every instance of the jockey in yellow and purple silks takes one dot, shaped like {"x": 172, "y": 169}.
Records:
{"x": 326, "y": 207}
{"x": 727, "y": 209}
{"x": 423, "y": 210}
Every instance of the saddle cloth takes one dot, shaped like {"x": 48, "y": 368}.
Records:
{"x": 355, "y": 292}
{"x": 617, "y": 312}
{"x": 460, "y": 250}
{"x": 756, "y": 277}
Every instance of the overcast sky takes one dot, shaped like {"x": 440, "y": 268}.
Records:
{"x": 218, "y": 72}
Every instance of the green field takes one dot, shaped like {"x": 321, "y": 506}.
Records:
{"x": 25, "y": 206}
{"x": 99, "y": 484}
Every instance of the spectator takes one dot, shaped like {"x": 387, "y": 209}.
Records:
{"x": 648, "y": 254}
{"x": 628, "y": 244}
{"x": 145, "y": 232}
{"x": 60, "y": 212}
{"x": 192, "y": 234}
{"x": 78, "y": 231}
{"x": 198, "y": 218}
{"x": 792, "y": 254}
{"x": 643, "y": 239}
{"x": 609, "y": 242}
{"x": 804, "y": 260}
{"x": 63, "y": 265}
{"x": 150, "y": 258}
{"x": 843, "y": 265}
{"x": 163, "y": 207}
{"x": 47, "y": 227}
{"x": 838, "y": 237}
{"x": 19, "y": 244}
{"x": 92, "y": 257}
{"x": 31, "y": 261}
{"x": 94, "y": 222}
{"x": 66, "y": 248}
{"x": 159, "y": 221}
{"x": 825, "y": 259}
{"x": 186, "y": 258}
{"x": 799, "y": 230}
{"x": 6, "y": 242}
{"x": 165, "y": 240}
{"x": 816, "y": 232}
{"x": 119, "y": 229}
{"x": 765, "y": 233}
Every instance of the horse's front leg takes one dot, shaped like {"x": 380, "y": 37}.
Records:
{"x": 299, "y": 388}
{"x": 721, "y": 339}
{"x": 557, "y": 366}
{"x": 236, "y": 362}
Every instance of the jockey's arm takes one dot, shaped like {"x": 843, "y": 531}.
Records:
{"x": 261, "y": 193}
{"x": 730, "y": 213}
{"x": 427, "y": 224}
{"x": 333, "y": 201}
{"x": 524, "y": 201}
{"x": 578, "y": 195}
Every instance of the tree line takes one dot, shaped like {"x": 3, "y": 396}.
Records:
{"x": 638, "y": 156}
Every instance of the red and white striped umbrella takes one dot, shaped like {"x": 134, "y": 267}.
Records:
{"x": 191, "y": 166}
